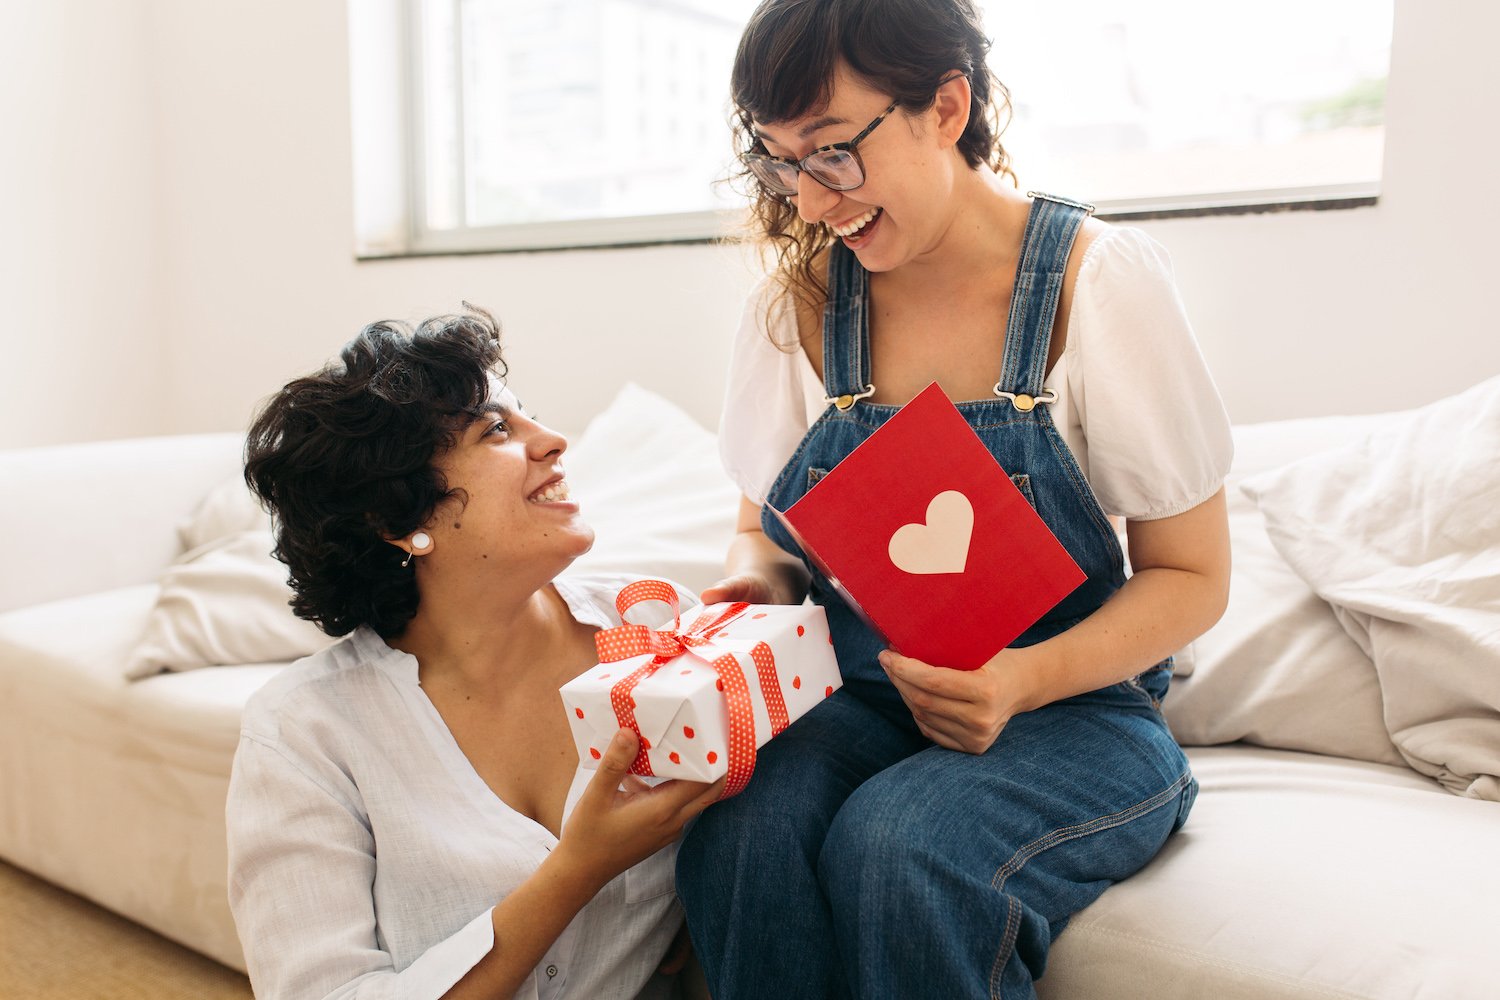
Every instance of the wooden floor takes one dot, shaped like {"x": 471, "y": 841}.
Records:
{"x": 58, "y": 946}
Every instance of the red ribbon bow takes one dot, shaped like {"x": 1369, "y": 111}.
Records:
{"x": 664, "y": 645}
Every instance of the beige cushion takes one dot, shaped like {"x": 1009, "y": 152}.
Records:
{"x": 648, "y": 479}
{"x": 223, "y": 603}
{"x": 75, "y": 647}
{"x": 1278, "y": 670}
{"x": 1400, "y": 532}
{"x": 112, "y": 788}
{"x": 229, "y": 509}
{"x": 1298, "y": 876}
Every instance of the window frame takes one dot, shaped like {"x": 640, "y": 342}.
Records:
{"x": 401, "y": 147}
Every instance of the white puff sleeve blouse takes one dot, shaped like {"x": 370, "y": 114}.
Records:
{"x": 1136, "y": 403}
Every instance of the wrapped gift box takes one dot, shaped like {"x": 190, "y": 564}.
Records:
{"x": 704, "y": 694}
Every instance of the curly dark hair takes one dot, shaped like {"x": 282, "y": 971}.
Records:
{"x": 343, "y": 460}
{"x": 785, "y": 67}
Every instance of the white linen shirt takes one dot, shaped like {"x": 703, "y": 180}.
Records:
{"x": 1135, "y": 401}
{"x": 366, "y": 854}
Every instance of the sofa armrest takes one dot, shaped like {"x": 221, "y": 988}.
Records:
{"x": 82, "y": 518}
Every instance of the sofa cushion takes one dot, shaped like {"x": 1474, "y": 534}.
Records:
{"x": 75, "y": 648}
{"x": 228, "y": 509}
{"x": 115, "y": 789}
{"x": 1277, "y": 669}
{"x": 226, "y": 602}
{"x": 1400, "y": 532}
{"x": 1298, "y": 876}
{"x": 67, "y": 656}
{"x": 648, "y": 479}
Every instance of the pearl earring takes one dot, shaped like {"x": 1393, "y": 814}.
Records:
{"x": 421, "y": 540}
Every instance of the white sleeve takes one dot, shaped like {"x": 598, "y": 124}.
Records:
{"x": 1158, "y": 436}
{"x": 765, "y": 395}
{"x": 301, "y": 867}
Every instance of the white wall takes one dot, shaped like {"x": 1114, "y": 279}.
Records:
{"x": 81, "y": 341}
{"x": 1299, "y": 313}
{"x": 258, "y": 217}
{"x": 1379, "y": 308}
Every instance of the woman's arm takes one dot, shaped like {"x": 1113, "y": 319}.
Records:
{"x": 757, "y": 569}
{"x": 1179, "y": 588}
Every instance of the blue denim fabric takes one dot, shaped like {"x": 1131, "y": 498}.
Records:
{"x": 862, "y": 860}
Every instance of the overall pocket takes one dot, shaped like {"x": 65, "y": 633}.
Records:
{"x": 1022, "y": 482}
{"x": 1151, "y": 685}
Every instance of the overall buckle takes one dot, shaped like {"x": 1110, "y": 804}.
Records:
{"x": 1023, "y": 402}
{"x": 849, "y": 399}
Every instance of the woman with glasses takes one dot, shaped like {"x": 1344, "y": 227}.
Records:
{"x": 927, "y": 832}
{"x": 406, "y": 814}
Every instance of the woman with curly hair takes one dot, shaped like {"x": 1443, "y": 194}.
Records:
{"x": 927, "y": 832}
{"x": 406, "y": 815}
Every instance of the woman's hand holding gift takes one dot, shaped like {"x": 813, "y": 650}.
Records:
{"x": 621, "y": 820}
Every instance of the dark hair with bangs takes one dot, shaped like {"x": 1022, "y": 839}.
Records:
{"x": 343, "y": 460}
{"x": 784, "y": 68}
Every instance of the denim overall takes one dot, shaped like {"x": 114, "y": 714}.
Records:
{"x": 863, "y": 861}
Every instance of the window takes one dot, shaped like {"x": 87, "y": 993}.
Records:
{"x": 1150, "y": 105}
{"x": 527, "y": 124}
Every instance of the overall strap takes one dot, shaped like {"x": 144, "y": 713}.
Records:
{"x": 846, "y": 326}
{"x": 1051, "y": 230}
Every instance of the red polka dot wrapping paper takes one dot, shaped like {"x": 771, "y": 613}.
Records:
{"x": 680, "y": 709}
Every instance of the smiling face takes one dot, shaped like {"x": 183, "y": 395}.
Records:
{"x": 513, "y": 515}
{"x": 911, "y": 164}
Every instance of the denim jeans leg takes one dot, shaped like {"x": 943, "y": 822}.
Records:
{"x": 745, "y": 871}
{"x": 949, "y": 874}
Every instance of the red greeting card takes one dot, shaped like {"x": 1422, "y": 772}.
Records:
{"x": 925, "y": 535}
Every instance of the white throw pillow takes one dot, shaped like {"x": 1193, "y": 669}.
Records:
{"x": 224, "y": 603}
{"x": 646, "y": 475}
{"x": 229, "y": 508}
{"x": 648, "y": 480}
{"x": 1401, "y": 533}
{"x": 1277, "y": 670}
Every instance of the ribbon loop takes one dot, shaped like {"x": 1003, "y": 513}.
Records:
{"x": 643, "y": 591}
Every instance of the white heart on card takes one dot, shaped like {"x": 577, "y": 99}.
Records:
{"x": 941, "y": 545}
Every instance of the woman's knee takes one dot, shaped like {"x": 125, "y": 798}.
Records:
{"x": 885, "y": 836}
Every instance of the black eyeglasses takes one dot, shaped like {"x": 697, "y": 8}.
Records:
{"x": 836, "y": 167}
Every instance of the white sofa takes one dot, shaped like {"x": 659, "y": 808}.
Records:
{"x": 1300, "y": 874}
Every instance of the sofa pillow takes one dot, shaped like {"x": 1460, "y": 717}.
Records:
{"x": 223, "y": 603}
{"x": 228, "y": 509}
{"x": 1278, "y": 670}
{"x": 646, "y": 475}
{"x": 648, "y": 480}
{"x": 1400, "y": 532}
